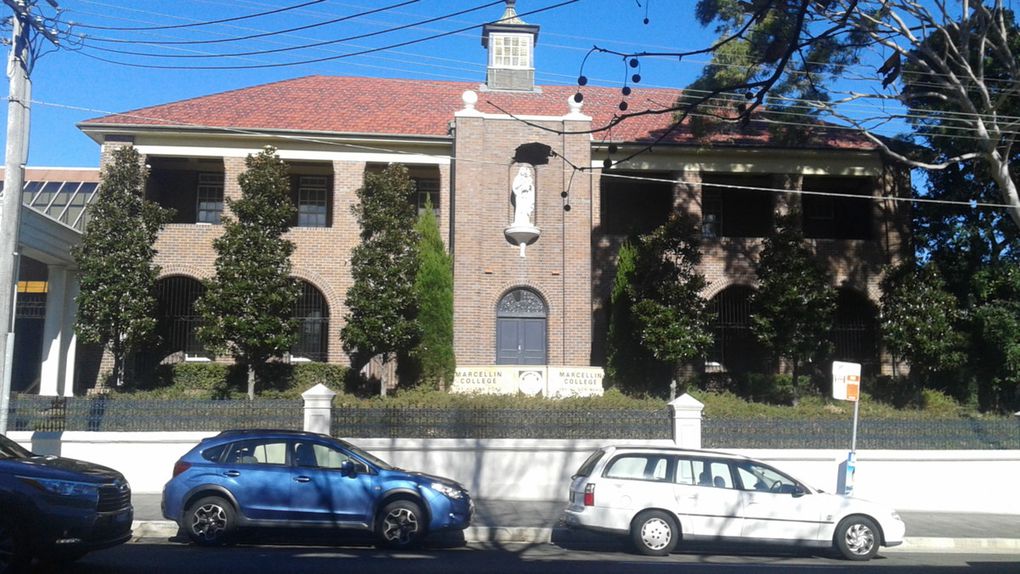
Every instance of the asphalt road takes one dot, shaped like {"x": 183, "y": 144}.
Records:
{"x": 166, "y": 557}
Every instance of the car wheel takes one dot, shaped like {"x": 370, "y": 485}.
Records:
{"x": 400, "y": 524}
{"x": 13, "y": 555}
{"x": 857, "y": 538}
{"x": 654, "y": 533}
{"x": 210, "y": 521}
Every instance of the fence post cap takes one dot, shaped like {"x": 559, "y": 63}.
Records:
{"x": 318, "y": 391}
{"x": 686, "y": 402}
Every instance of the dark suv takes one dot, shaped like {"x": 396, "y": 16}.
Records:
{"x": 273, "y": 478}
{"x": 58, "y": 508}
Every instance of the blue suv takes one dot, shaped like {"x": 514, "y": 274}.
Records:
{"x": 58, "y": 508}
{"x": 271, "y": 478}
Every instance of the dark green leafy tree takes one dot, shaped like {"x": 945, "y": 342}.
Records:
{"x": 794, "y": 306}
{"x": 671, "y": 315}
{"x": 920, "y": 320}
{"x": 995, "y": 328}
{"x": 433, "y": 286}
{"x": 116, "y": 306}
{"x": 247, "y": 309}
{"x": 382, "y": 309}
{"x": 629, "y": 364}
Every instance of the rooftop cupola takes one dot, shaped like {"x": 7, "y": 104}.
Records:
{"x": 511, "y": 45}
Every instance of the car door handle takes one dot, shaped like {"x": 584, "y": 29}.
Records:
{"x": 302, "y": 479}
{"x": 231, "y": 473}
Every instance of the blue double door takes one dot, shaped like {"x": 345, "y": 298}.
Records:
{"x": 521, "y": 341}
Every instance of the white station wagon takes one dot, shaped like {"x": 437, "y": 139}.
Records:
{"x": 659, "y": 496}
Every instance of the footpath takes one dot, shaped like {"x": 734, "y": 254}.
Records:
{"x": 538, "y": 522}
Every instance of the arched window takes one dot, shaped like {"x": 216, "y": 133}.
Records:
{"x": 312, "y": 314}
{"x": 855, "y": 330}
{"x": 735, "y": 349}
{"x": 176, "y": 314}
{"x": 521, "y": 329}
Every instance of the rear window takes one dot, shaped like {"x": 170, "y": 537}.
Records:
{"x": 639, "y": 467}
{"x": 589, "y": 464}
{"x": 214, "y": 454}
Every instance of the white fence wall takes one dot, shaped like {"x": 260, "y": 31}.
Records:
{"x": 944, "y": 481}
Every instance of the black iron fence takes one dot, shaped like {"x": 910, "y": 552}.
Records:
{"x": 430, "y": 422}
{"x": 35, "y": 413}
{"x": 909, "y": 434}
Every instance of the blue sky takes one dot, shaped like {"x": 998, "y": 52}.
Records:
{"x": 71, "y": 85}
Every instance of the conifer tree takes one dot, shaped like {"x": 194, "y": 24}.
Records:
{"x": 116, "y": 306}
{"x": 248, "y": 307}
{"x": 433, "y": 286}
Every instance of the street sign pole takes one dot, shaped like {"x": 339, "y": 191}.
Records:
{"x": 846, "y": 386}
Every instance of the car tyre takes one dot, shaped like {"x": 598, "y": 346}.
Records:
{"x": 654, "y": 533}
{"x": 13, "y": 546}
{"x": 210, "y": 521}
{"x": 857, "y": 538}
{"x": 400, "y": 524}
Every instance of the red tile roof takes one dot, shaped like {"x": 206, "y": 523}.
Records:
{"x": 355, "y": 105}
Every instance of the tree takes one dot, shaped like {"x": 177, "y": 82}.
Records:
{"x": 790, "y": 62}
{"x": 116, "y": 306}
{"x": 433, "y": 287}
{"x": 671, "y": 315}
{"x": 628, "y": 363}
{"x": 247, "y": 309}
{"x": 381, "y": 306}
{"x": 920, "y": 319}
{"x": 995, "y": 328}
{"x": 794, "y": 305}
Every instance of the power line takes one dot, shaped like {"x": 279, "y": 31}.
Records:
{"x": 196, "y": 24}
{"x": 251, "y": 36}
{"x": 305, "y": 46}
{"x": 324, "y": 59}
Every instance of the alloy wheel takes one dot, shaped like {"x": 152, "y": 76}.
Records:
{"x": 209, "y": 522}
{"x": 400, "y": 526}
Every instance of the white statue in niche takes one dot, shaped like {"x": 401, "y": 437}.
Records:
{"x": 524, "y": 196}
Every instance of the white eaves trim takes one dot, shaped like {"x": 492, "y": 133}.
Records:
{"x": 295, "y": 155}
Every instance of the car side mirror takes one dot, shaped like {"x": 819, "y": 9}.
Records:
{"x": 798, "y": 491}
{"x": 347, "y": 468}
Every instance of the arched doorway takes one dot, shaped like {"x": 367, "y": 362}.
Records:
{"x": 735, "y": 349}
{"x": 178, "y": 320}
{"x": 312, "y": 314}
{"x": 521, "y": 329}
{"x": 855, "y": 331}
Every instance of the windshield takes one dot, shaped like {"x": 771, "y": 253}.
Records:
{"x": 367, "y": 457}
{"x": 11, "y": 449}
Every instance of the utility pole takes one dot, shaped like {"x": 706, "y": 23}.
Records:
{"x": 19, "y": 69}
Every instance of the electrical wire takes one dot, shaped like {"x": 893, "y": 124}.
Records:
{"x": 251, "y": 36}
{"x": 202, "y": 23}
{"x": 323, "y": 59}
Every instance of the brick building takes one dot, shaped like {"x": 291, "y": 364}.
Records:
{"x": 466, "y": 144}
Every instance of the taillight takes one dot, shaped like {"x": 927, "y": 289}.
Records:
{"x": 589, "y": 494}
{"x": 181, "y": 466}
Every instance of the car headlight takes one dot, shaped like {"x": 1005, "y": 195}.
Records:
{"x": 65, "y": 487}
{"x": 448, "y": 491}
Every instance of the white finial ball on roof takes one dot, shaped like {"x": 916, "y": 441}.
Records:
{"x": 575, "y": 106}
{"x": 470, "y": 99}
